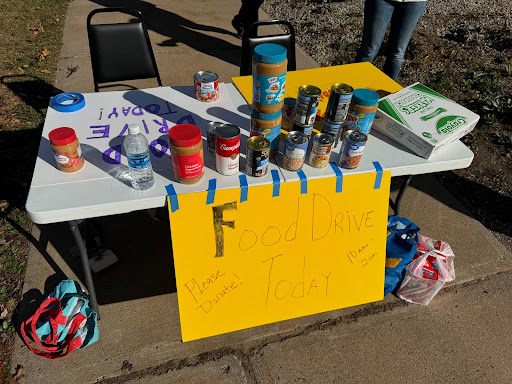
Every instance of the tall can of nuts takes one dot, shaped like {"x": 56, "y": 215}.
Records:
{"x": 295, "y": 151}
{"x": 227, "y": 148}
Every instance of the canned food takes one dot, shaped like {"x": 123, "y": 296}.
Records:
{"x": 295, "y": 151}
{"x": 306, "y": 129}
{"x": 320, "y": 150}
{"x": 210, "y": 136}
{"x": 352, "y": 149}
{"x": 288, "y": 107}
{"x": 361, "y": 111}
{"x": 339, "y": 101}
{"x": 227, "y": 149}
{"x": 258, "y": 150}
{"x": 332, "y": 129}
{"x": 206, "y": 85}
{"x": 306, "y": 105}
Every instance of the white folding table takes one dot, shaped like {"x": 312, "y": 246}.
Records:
{"x": 103, "y": 188}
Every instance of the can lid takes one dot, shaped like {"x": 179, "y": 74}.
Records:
{"x": 62, "y": 136}
{"x": 269, "y": 53}
{"x": 366, "y": 97}
{"x": 184, "y": 135}
{"x": 265, "y": 116}
{"x": 227, "y": 131}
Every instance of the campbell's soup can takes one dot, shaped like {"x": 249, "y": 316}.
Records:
{"x": 206, "y": 85}
{"x": 352, "y": 149}
{"x": 227, "y": 149}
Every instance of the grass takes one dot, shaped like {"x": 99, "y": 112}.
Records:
{"x": 30, "y": 40}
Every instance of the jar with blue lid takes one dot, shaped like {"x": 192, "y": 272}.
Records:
{"x": 267, "y": 125}
{"x": 361, "y": 111}
{"x": 269, "y": 77}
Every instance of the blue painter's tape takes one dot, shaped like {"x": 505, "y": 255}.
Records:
{"x": 378, "y": 178}
{"x": 67, "y": 102}
{"x": 210, "y": 196}
{"x": 173, "y": 198}
{"x": 339, "y": 177}
{"x": 303, "y": 182}
{"x": 276, "y": 180}
{"x": 244, "y": 188}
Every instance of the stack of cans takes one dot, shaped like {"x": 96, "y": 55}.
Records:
{"x": 336, "y": 110}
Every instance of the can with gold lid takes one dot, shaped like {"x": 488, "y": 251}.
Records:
{"x": 339, "y": 101}
{"x": 258, "y": 151}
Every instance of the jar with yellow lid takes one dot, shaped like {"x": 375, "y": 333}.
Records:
{"x": 269, "y": 77}
{"x": 66, "y": 149}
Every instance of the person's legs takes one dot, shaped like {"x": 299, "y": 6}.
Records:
{"x": 247, "y": 15}
{"x": 404, "y": 20}
{"x": 377, "y": 14}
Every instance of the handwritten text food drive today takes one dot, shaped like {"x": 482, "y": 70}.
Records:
{"x": 218, "y": 286}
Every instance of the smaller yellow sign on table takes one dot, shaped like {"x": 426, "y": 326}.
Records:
{"x": 250, "y": 256}
{"x": 358, "y": 75}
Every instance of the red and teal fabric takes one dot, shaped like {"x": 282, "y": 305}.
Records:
{"x": 62, "y": 323}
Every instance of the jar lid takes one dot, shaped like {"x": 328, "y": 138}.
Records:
{"x": 269, "y": 53}
{"x": 184, "y": 135}
{"x": 366, "y": 97}
{"x": 265, "y": 116}
{"x": 62, "y": 136}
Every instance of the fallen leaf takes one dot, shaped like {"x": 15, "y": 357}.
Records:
{"x": 126, "y": 367}
{"x": 3, "y": 338}
{"x": 45, "y": 71}
{"x": 42, "y": 55}
{"x": 225, "y": 368}
{"x": 3, "y": 313}
{"x": 19, "y": 373}
{"x": 3, "y": 206}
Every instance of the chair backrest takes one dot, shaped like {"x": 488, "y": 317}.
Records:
{"x": 250, "y": 39}
{"x": 120, "y": 51}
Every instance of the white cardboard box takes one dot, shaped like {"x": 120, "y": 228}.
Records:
{"x": 422, "y": 120}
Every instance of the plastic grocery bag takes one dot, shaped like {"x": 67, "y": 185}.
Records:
{"x": 427, "y": 273}
{"x": 401, "y": 245}
{"x": 62, "y": 323}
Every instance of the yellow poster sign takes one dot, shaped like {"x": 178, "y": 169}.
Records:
{"x": 358, "y": 75}
{"x": 250, "y": 256}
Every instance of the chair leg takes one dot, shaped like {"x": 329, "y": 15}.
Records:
{"x": 401, "y": 194}
{"x": 85, "y": 265}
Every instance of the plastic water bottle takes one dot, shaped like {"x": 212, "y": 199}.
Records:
{"x": 139, "y": 163}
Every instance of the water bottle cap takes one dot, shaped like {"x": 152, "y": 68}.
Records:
{"x": 133, "y": 129}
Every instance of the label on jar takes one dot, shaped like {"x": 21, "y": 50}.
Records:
{"x": 358, "y": 121}
{"x": 268, "y": 90}
{"x": 187, "y": 167}
{"x": 69, "y": 159}
{"x": 139, "y": 160}
{"x": 271, "y": 134}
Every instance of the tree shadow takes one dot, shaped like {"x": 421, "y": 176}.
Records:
{"x": 180, "y": 30}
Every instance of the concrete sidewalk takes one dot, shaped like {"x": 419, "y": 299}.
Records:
{"x": 460, "y": 337}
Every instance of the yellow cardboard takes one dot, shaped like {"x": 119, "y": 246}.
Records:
{"x": 283, "y": 257}
{"x": 358, "y": 75}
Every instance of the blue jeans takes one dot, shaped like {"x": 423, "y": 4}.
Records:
{"x": 377, "y": 15}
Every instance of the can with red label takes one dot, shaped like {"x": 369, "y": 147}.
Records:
{"x": 227, "y": 148}
{"x": 206, "y": 85}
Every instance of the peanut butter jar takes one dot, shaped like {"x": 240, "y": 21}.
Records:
{"x": 66, "y": 149}
{"x": 268, "y": 77}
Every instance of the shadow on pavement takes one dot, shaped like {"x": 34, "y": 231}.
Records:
{"x": 182, "y": 30}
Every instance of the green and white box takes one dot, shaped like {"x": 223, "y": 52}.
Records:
{"x": 423, "y": 120}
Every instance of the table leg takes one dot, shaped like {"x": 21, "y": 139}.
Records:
{"x": 401, "y": 194}
{"x": 85, "y": 265}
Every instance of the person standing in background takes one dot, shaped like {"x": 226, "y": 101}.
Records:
{"x": 247, "y": 15}
{"x": 403, "y": 15}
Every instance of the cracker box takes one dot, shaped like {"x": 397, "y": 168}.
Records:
{"x": 423, "y": 120}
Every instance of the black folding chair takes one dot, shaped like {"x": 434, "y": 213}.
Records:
{"x": 250, "y": 39}
{"x": 120, "y": 51}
